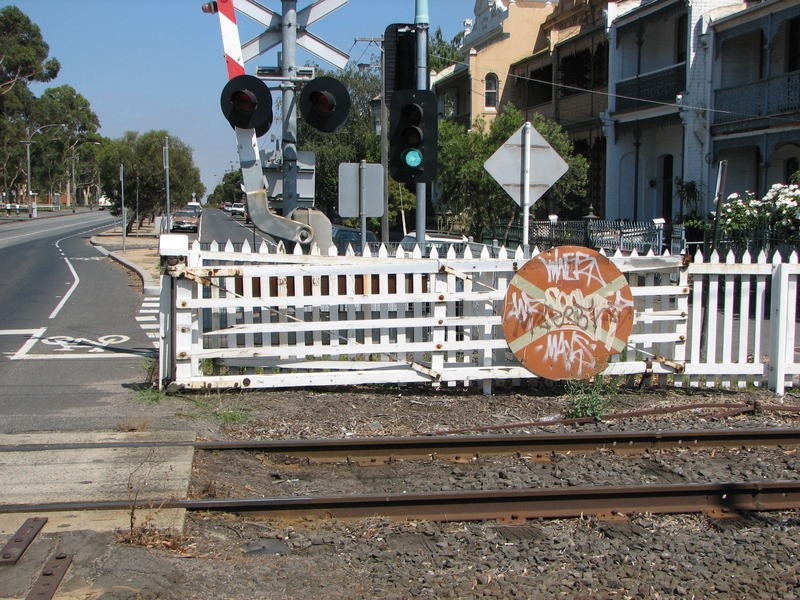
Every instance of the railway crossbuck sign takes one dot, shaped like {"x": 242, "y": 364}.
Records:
{"x": 566, "y": 311}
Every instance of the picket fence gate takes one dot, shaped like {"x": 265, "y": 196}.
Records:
{"x": 261, "y": 319}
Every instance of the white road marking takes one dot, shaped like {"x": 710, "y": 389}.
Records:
{"x": 61, "y": 304}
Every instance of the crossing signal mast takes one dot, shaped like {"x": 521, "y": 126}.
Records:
{"x": 246, "y": 102}
{"x": 413, "y": 108}
{"x": 414, "y": 133}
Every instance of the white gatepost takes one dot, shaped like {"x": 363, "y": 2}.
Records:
{"x": 778, "y": 328}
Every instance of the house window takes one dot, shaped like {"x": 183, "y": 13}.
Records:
{"x": 790, "y": 167}
{"x": 490, "y": 91}
{"x": 793, "y": 54}
{"x": 681, "y": 40}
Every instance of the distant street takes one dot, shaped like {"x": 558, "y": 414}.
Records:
{"x": 219, "y": 226}
{"x": 71, "y": 326}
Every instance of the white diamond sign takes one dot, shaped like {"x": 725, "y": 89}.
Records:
{"x": 507, "y": 168}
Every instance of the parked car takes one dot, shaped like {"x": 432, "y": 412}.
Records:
{"x": 441, "y": 240}
{"x": 342, "y": 236}
{"x": 195, "y": 207}
{"x": 226, "y": 206}
{"x": 185, "y": 220}
{"x": 237, "y": 209}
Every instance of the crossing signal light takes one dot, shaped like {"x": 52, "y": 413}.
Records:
{"x": 325, "y": 104}
{"x": 247, "y": 104}
{"x": 414, "y": 134}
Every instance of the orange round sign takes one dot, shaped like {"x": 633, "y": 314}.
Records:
{"x": 566, "y": 311}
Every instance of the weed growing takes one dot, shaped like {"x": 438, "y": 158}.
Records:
{"x": 589, "y": 398}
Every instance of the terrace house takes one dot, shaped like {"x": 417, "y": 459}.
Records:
{"x": 503, "y": 31}
{"x": 755, "y": 123}
{"x": 566, "y": 79}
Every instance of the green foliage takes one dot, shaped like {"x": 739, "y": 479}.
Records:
{"x": 692, "y": 196}
{"x": 227, "y": 190}
{"x": 442, "y": 54}
{"x": 142, "y": 158}
{"x": 778, "y": 211}
{"x": 51, "y": 162}
{"x": 356, "y": 141}
{"x": 150, "y": 395}
{"x": 23, "y": 59}
{"x": 467, "y": 189}
{"x": 589, "y": 398}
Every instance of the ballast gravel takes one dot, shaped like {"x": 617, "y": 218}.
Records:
{"x": 643, "y": 556}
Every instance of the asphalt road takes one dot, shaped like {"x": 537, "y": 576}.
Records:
{"x": 219, "y": 226}
{"x": 75, "y": 329}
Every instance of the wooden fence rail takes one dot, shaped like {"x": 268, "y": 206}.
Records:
{"x": 255, "y": 319}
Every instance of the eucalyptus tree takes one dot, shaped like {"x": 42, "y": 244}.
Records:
{"x": 23, "y": 60}
{"x": 141, "y": 156}
{"x": 354, "y": 142}
{"x": 227, "y": 190}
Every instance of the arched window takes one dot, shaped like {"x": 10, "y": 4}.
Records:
{"x": 490, "y": 91}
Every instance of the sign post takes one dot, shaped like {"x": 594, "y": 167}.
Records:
{"x": 360, "y": 193}
{"x": 511, "y": 166}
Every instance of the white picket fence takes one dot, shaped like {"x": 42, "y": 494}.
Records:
{"x": 255, "y": 319}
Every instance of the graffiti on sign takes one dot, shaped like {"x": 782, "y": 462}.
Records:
{"x": 566, "y": 311}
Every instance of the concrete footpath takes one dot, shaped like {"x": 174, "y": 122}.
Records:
{"x": 91, "y": 474}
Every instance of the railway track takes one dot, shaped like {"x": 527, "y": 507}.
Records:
{"x": 508, "y": 505}
{"x": 371, "y": 451}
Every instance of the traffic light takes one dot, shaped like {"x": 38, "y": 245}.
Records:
{"x": 413, "y": 136}
{"x": 325, "y": 104}
{"x": 247, "y": 104}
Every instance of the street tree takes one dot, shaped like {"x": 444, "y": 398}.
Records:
{"x": 468, "y": 191}
{"x": 356, "y": 141}
{"x": 442, "y": 54}
{"x": 72, "y": 139}
{"x": 142, "y": 158}
{"x": 23, "y": 60}
{"x": 227, "y": 190}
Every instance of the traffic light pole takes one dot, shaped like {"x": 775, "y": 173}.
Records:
{"x": 421, "y": 21}
{"x": 289, "y": 107}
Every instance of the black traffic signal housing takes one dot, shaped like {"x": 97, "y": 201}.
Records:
{"x": 325, "y": 104}
{"x": 247, "y": 104}
{"x": 414, "y": 128}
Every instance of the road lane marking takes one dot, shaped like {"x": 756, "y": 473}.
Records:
{"x": 74, "y": 286}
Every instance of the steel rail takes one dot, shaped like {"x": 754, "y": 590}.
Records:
{"x": 381, "y": 450}
{"x": 502, "y": 505}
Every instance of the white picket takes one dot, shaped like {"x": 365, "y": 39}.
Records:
{"x": 278, "y": 319}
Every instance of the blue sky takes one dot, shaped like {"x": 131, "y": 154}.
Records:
{"x": 158, "y": 64}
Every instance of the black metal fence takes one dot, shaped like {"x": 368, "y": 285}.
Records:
{"x": 609, "y": 236}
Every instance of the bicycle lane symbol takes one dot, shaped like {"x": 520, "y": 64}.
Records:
{"x": 66, "y": 343}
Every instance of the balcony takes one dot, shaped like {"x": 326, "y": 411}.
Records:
{"x": 753, "y": 101}
{"x": 582, "y": 106}
{"x": 658, "y": 86}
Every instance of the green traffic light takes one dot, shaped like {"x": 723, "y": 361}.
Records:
{"x": 412, "y": 158}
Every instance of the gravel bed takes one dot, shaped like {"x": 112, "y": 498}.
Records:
{"x": 241, "y": 474}
{"x": 647, "y": 557}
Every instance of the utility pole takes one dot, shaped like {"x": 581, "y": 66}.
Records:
{"x": 384, "y": 140}
{"x": 166, "y": 169}
{"x": 122, "y": 195}
{"x": 289, "y": 106}
{"x": 421, "y": 21}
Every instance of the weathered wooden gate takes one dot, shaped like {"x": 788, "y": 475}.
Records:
{"x": 254, "y": 319}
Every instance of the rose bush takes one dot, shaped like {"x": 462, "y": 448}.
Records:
{"x": 778, "y": 211}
